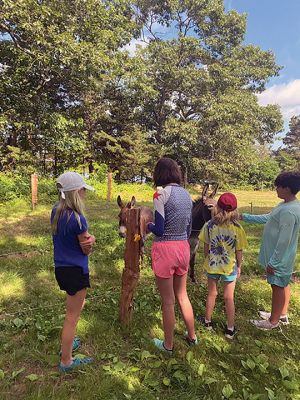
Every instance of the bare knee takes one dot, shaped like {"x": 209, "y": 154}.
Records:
{"x": 212, "y": 293}
{"x": 228, "y": 298}
{"x": 72, "y": 318}
{"x": 170, "y": 301}
{"x": 182, "y": 298}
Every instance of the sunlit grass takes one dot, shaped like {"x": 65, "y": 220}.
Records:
{"x": 12, "y": 286}
{"x": 32, "y": 311}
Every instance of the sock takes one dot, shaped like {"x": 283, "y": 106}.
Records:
{"x": 66, "y": 365}
{"x": 230, "y": 328}
{"x": 207, "y": 321}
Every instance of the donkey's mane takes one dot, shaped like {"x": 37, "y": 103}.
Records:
{"x": 197, "y": 201}
{"x": 197, "y": 204}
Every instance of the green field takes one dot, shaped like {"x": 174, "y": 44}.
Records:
{"x": 256, "y": 365}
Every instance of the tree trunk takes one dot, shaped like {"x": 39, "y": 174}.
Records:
{"x": 91, "y": 167}
{"x": 131, "y": 272}
{"x": 185, "y": 177}
{"x": 55, "y": 161}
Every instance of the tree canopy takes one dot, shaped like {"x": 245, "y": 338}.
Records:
{"x": 71, "y": 93}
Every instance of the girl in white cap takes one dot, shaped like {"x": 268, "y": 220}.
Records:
{"x": 72, "y": 245}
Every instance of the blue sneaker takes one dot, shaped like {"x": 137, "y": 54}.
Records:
{"x": 76, "y": 363}
{"x": 161, "y": 346}
{"x": 76, "y": 344}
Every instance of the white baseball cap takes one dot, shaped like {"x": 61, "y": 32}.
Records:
{"x": 72, "y": 181}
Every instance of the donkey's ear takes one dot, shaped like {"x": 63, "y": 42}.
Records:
{"x": 213, "y": 193}
{"x": 120, "y": 202}
{"x": 132, "y": 202}
{"x": 205, "y": 189}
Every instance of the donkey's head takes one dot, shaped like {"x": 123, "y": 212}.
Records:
{"x": 201, "y": 212}
{"x": 123, "y": 214}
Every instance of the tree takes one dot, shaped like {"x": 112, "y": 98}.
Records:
{"x": 200, "y": 105}
{"x": 286, "y": 160}
{"x": 52, "y": 53}
{"x": 70, "y": 94}
{"x": 292, "y": 139}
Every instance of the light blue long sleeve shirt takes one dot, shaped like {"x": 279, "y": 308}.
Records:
{"x": 280, "y": 236}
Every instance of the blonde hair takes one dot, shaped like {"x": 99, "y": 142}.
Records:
{"x": 223, "y": 217}
{"x": 71, "y": 201}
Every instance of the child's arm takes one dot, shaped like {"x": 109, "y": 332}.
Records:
{"x": 239, "y": 260}
{"x": 160, "y": 198}
{"x": 255, "y": 219}
{"x": 86, "y": 242}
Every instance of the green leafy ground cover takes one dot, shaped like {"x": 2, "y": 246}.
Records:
{"x": 256, "y": 365}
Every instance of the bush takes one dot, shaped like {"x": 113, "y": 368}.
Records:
{"x": 13, "y": 186}
{"x": 47, "y": 191}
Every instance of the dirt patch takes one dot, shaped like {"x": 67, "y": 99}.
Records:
{"x": 24, "y": 254}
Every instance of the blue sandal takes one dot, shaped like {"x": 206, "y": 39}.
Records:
{"x": 76, "y": 344}
{"x": 76, "y": 363}
{"x": 161, "y": 346}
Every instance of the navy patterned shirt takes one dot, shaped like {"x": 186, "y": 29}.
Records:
{"x": 172, "y": 214}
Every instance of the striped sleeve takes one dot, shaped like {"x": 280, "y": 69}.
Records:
{"x": 160, "y": 198}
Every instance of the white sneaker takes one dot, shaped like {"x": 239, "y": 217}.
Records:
{"x": 284, "y": 319}
{"x": 263, "y": 324}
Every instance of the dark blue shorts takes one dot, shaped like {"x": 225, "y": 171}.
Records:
{"x": 71, "y": 279}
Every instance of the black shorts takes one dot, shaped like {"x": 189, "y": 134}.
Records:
{"x": 71, "y": 279}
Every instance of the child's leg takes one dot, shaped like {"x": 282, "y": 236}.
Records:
{"x": 287, "y": 293}
{"x": 229, "y": 302}
{"x": 74, "y": 305}
{"x": 211, "y": 297}
{"x": 184, "y": 304}
{"x": 278, "y": 303}
{"x": 165, "y": 287}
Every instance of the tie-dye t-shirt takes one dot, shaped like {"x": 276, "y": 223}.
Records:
{"x": 223, "y": 241}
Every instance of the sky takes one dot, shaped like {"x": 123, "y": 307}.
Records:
{"x": 274, "y": 25}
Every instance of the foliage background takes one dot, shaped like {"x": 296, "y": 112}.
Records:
{"x": 73, "y": 96}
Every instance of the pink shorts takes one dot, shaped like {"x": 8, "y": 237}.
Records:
{"x": 170, "y": 257}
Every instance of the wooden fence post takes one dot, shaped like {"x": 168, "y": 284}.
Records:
{"x": 109, "y": 186}
{"x": 34, "y": 190}
{"x": 131, "y": 272}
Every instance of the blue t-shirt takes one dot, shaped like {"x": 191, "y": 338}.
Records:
{"x": 67, "y": 250}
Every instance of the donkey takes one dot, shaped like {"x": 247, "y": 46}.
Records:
{"x": 201, "y": 213}
{"x": 146, "y": 216}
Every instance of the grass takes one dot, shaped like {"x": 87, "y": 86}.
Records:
{"x": 256, "y": 365}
